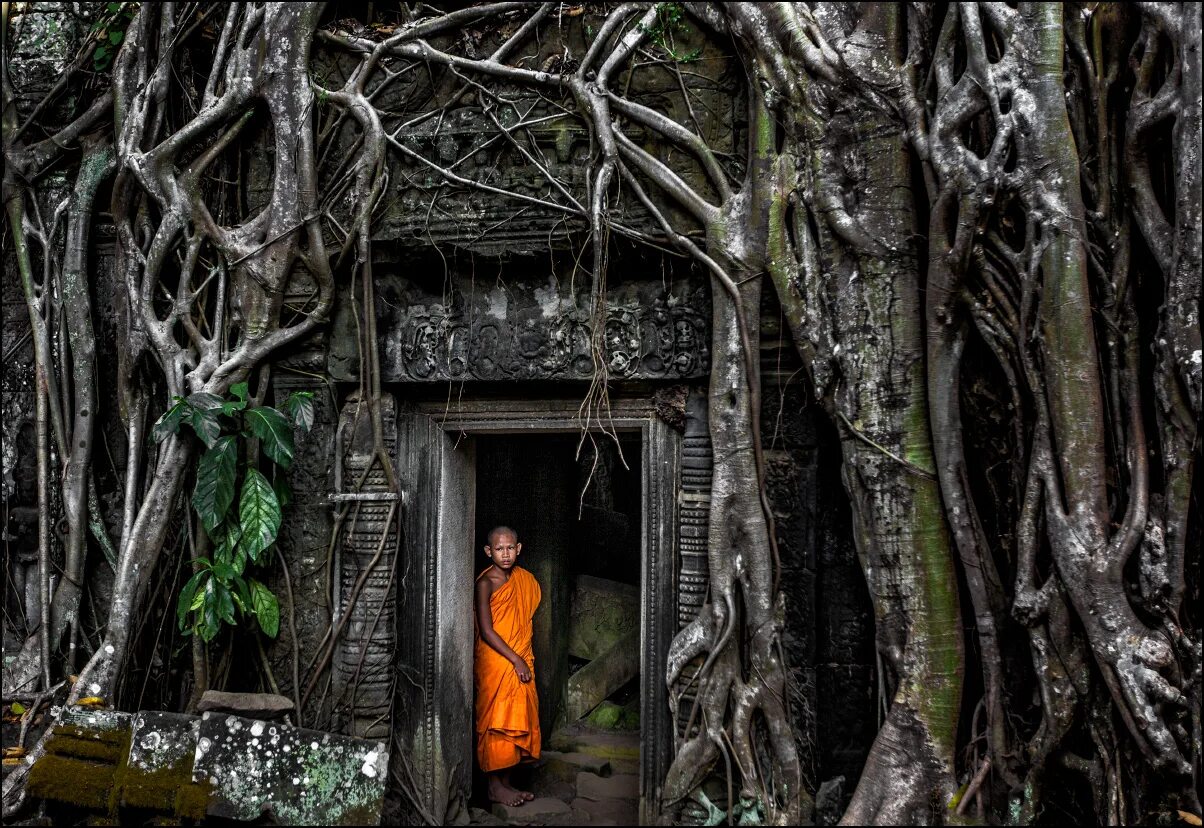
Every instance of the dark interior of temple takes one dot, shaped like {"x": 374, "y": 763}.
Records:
{"x": 577, "y": 513}
{"x": 576, "y": 506}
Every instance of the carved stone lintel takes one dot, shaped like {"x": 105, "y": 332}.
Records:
{"x": 529, "y": 330}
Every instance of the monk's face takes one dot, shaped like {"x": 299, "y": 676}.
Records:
{"x": 503, "y": 550}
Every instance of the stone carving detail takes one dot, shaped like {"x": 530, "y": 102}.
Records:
{"x": 695, "y": 508}
{"x": 528, "y": 331}
{"x": 363, "y": 661}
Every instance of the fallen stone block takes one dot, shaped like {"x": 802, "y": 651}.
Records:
{"x": 252, "y": 705}
{"x": 83, "y": 753}
{"x": 170, "y": 767}
{"x": 613, "y": 668}
{"x": 603, "y": 613}
{"x": 617, "y": 747}
{"x": 608, "y": 811}
{"x": 478, "y": 816}
{"x": 829, "y": 801}
{"x": 298, "y": 777}
{"x": 157, "y": 775}
{"x": 567, "y": 765}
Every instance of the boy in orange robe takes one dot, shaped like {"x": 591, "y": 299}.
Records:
{"x": 507, "y": 707}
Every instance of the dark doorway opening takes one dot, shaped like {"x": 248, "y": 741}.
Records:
{"x": 577, "y": 507}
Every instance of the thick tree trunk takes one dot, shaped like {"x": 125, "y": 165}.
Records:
{"x": 853, "y": 297}
{"x": 902, "y": 538}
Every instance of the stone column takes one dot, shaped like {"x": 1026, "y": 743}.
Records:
{"x": 363, "y": 667}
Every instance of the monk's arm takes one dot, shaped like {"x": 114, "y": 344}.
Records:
{"x": 489, "y": 635}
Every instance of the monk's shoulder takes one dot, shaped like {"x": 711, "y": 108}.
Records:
{"x": 486, "y": 584}
{"x": 527, "y": 576}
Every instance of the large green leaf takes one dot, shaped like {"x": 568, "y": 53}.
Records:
{"x": 242, "y": 595}
{"x": 274, "y": 432}
{"x": 184, "y": 605}
{"x": 225, "y": 602}
{"x": 215, "y": 475}
{"x": 169, "y": 423}
{"x": 267, "y": 608}
{"x": 238, "y": 553}
{"x": 258, "y": 514}
{"x": 210, "y": 621}
{"x": 205, "y": 424}
{"x": 239, "y": 390}
{"x": 300, "y": 407}
{"x": 225, "y": 541}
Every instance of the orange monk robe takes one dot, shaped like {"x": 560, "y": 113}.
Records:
{"x": 508, "y": 709}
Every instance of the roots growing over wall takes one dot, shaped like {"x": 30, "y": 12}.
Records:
{"x": 925, "y": 188}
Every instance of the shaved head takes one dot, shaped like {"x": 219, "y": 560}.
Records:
{"x": 496, "y": 531}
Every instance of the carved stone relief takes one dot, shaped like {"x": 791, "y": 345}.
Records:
{"x": 528, "y": 330}
{"x": 695, "y": 508}
{"x": 367, "y": 551}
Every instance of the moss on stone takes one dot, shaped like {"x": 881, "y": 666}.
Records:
{"x": 606, "y": 716}
{"x": 80, "y": 782}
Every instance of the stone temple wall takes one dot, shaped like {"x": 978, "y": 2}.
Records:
{"x": 469, "y": 300}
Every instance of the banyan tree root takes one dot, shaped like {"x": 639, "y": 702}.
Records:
{"x": 869, "y": 125}
{"x": 169, "y": 243}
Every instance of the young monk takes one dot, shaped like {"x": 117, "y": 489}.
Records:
{"x": 507, "y": 708}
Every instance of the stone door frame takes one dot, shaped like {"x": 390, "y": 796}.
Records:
{"x": 437, "y": 471}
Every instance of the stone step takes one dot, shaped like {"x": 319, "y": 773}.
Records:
{"x": 609, "y": 811}
{"x": 602, "y": 744}
{"x": 624, "y": 786}
{"x": 534, "y": 812}
{"x": 550, "y": 786}
{"x": 479, "y": 816}
{"x": 568, "y": 765}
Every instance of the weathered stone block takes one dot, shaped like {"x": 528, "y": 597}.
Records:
{"x": 567, "y": 765}
{"x": 617, "y": 748}
{"x": 606, "y": 716}
{"x": 158, "y": 773}
{"x": 478, "y": 816}
{"x": 609, "y": 811}
{"x": 82, "y": 757}
{"x": 298, "y": 777}
{"x": 601, "y": 677}
{"x": 829, "y": 801}
{"x": 251, "y": 705}
{"x": 604, "y": 612}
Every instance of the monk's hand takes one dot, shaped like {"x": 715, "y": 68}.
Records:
{"x": 524, "y": 672}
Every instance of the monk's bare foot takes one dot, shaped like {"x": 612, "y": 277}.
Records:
{"x": 504, "y": 794}
{"x": 508, "y": 781}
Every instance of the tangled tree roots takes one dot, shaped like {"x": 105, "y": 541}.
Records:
{"x": 962, "y": 208}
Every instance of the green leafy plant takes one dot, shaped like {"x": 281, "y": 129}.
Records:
{"x": 670, "y": 21}
{"x": 109, "y": 29}
{"x": 221, "y": 591}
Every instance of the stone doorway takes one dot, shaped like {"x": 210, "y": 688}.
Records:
{"x": 576, "y": 505}
{"x": 451, "y": 496}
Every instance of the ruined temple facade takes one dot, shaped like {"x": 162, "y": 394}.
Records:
{"x": 484, "y": 328}
{"x": 485, "y": 320}
{"x": 484, "y": 384}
